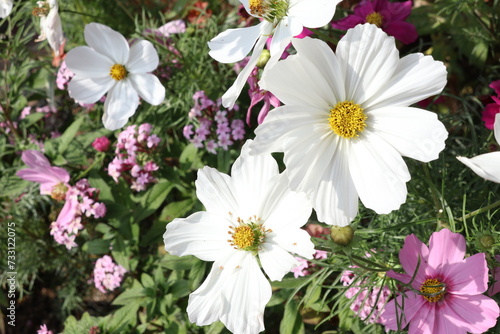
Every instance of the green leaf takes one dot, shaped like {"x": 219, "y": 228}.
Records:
{"x": 153, "y": 198}
{"x": 69, "y": 134}
{"x": 292, "y": 321}
{"x": 173, "y": 262}
{"x": 132, "y": 294}
{"x": 31, "y": 119}
{"x": 147, "y": 281}
{"x": 176, "y": 209}
{"x": 98, "y": 246}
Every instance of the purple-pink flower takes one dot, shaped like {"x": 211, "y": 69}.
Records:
{"x": 107, "y": 274}
{"x": 389, "y": 16}
{"x": 446, "y": 294}
{"x": 53, "y": 180}
{"x": 44, "y": 330}
{"x": 492, "y": 109}
{"x": 101, "y": 144}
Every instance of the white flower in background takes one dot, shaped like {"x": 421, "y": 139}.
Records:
{"x": 486, "y": 165}
{"x": 109, "y": 65}
{"x": 5, "y": 8}
{"x": 281, "y": 19}
{"x": 50, "y": 25}
{"x": 251, "y": 214}
{"x": 346, "y": 123}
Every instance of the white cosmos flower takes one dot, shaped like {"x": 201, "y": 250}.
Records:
{"x": 281, "y": 19}
{"x": 50, "y": 25}
{"x": 5, "y": 8}
{"x": 108, "y": 64}
{"x": 346, "y": 123}
{"x": 250, "y": 214}
{"x": 486, "y": 165}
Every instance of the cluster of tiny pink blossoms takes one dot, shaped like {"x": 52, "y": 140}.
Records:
{"x": 81, "y": 200}
{"x": 213, "y": 128}
{"x": 133, "y": 160}
{"x": 369, "y": 299}
{"x": 107, "y": 275}
{"x": 305, "y": 267}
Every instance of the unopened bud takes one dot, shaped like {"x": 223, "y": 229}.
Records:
{"x": 341, "y": 235}
{"x": 487, "y": 241}
{"x": 263, "y": 58}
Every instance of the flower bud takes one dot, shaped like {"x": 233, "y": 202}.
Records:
{"x": 486, "y": 241}
{"x": 263, "y": 58}
{"x": 341, "y": 235}
{"x": 101, "y": 144}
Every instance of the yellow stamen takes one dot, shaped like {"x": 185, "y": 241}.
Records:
{"x": 59, "y": 191}
{"x": 375, "y": 18}
{"x": 249, "y": 235}
{"x": 433, "y": 290}
{"x": 347, "y": 119}
{"x": 118, "y": 72}
{"x": 243, "y": 236}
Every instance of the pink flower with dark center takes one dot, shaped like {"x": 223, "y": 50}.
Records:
{"x": 447, "y": 290}
{"x": 389, "y": 16}
{"x": 492, "y": 109}
{"x": 101, "y": 144}
{"x": 53, "y": 180}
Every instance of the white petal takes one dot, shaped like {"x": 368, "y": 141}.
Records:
{"x": 87, "y": 63}
{"x": 89, "y": 90}
{"x": 415, "y": 78}
{"x": 107, "y": 41}
{"x": 282, "y": 36}
{"x": 149, "y": 87}
{"x": 496, "y": 127}
{"x": 143, "y": 57}
{"x": 313, "y": 13}
{"x": 253, "y": 177}
{"x": 216, "y": 191}
{"x": 233, "y": 45}
{"x": 379, "y": 173}
{"x": 5, "y": 8}
{"x": 113, "y": 123}
{"x": 202, "y": 234}
{"x": 276, "y": 261}
{"x": 296, "y": 241}
{"x": 53, "y": 30}
{"x": 312, "y": 76}
{"x": 486, "y": 165}
{"x": 206, "y": 304}
{"x": 336, "y": 199}
{"x": 121, "y": 101}
{"x": 368, "y": 58}
{"x": 230, "y": 96}
{"x": 415, "y": 133}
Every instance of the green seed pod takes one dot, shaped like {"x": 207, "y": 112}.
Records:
{"x": 341, "y": 235}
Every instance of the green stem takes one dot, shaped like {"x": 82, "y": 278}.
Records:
{"x": 435, "y": 198}
{"x": 478, "y": 211}
{"x": 99, "y": 159}
{"x": 355, "y": 259}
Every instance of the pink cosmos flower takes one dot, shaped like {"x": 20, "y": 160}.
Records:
{"x": 53, "y": 180}
{"x": 447, "y": 290}
{"x": 492, "y": 109}
{"x": 389, "y": 16}
{"x": 101, "y": 144}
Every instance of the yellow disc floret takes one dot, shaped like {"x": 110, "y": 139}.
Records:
{"x": 59, "y": 191}
{"x": 118, "y": 72}
{"x": 270, "y": 10}
{"x": 347, "y": 119}
{"x": 249, "y": 235}
{"x": 375, "y": 18}
{"x": 433, "y": 290}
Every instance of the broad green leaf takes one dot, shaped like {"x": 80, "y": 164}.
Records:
{"x": 292, "y": 321}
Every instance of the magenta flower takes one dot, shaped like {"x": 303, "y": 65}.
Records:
{"x": 101, "y": 144}
{"x": 492, "y": 109}
{"x": 53, "y": 180}
{"x": 389, "y": 16}
{"x": 447, "y": 290}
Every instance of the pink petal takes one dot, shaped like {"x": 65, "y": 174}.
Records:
{"x": 446, "y": 247}
{"x": 34, "y": 159}
{"x": 348, "y": 22}
{"x": 396, "y": 11}
{"x": 424, "y": 321}
{"x": 410, "y": 305}
{"x": 412, "y": 250}
{"x": 402, "y": 31}
{"x": 474, "y": 314}
{"x": 469, "y": 277}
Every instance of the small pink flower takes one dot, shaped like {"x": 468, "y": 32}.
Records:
{"x": 447, "y": 290}
{"x": 107, "y": 275}
{"x": 492, "y": 109}
{"x": 389, "y": 16}
{"x": 44, "y": 330}
{"x": 101, "y": 144}
{"x": 53, "y": 180}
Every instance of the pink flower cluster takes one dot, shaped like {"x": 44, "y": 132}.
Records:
{"x": 79, "y": 200}
{"x": 213, "y": 127}
{"x": 133, "y": 160}
{"x": 306, "y": 267}
{"x": 369, "y": 299}
{"x": 107, "y": 275}
{"x": 492, "y": 109}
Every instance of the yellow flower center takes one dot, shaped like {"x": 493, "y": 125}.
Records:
{"x": 433, "y": 290}
{"x": 118, "y": 72}
{"x": 347, "y": 119}
{"x": 249, "y": 235}
{"x": 270, "y": 10}
{"x": 375, "y": 18}
{"x": 59, "y": 191}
